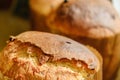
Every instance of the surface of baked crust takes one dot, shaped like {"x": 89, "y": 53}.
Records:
{"x": 26, "y": 59}
{"x": 86, "y": 18}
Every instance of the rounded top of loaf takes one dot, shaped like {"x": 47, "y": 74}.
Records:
{"x": 60, "y": 47}
{"x": 87, "y": 18}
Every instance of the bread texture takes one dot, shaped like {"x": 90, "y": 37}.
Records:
{"x": 43, "y": 56}
{"x": 91, "y": 22}
{"x": 78, "y": 18}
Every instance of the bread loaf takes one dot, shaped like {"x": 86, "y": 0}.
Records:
{"x": 91, "y": 22}
{"x": 44, "y": 56}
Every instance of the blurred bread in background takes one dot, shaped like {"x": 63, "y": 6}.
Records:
{"x": 40, "y": 9}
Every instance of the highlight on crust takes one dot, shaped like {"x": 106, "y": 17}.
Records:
{"x": 37, "y": 55}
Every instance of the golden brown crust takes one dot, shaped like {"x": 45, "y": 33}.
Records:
{"x": 87, "y": 18}
{"x": 60, "y": 47}
{"x": 24, "y": 58}
{"x": 100, "y": 72}
{"x": 44, "y": 7}
{"x": 36, "y": 55}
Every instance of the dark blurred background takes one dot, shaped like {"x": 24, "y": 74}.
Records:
{"x": 14, "y": 19}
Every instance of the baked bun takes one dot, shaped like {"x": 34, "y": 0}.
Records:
{"x": 39, "y": 10}
{"x": 89, "y": 18}
{"x": 91, "y": 22}
{"x": 44, "y": 56}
